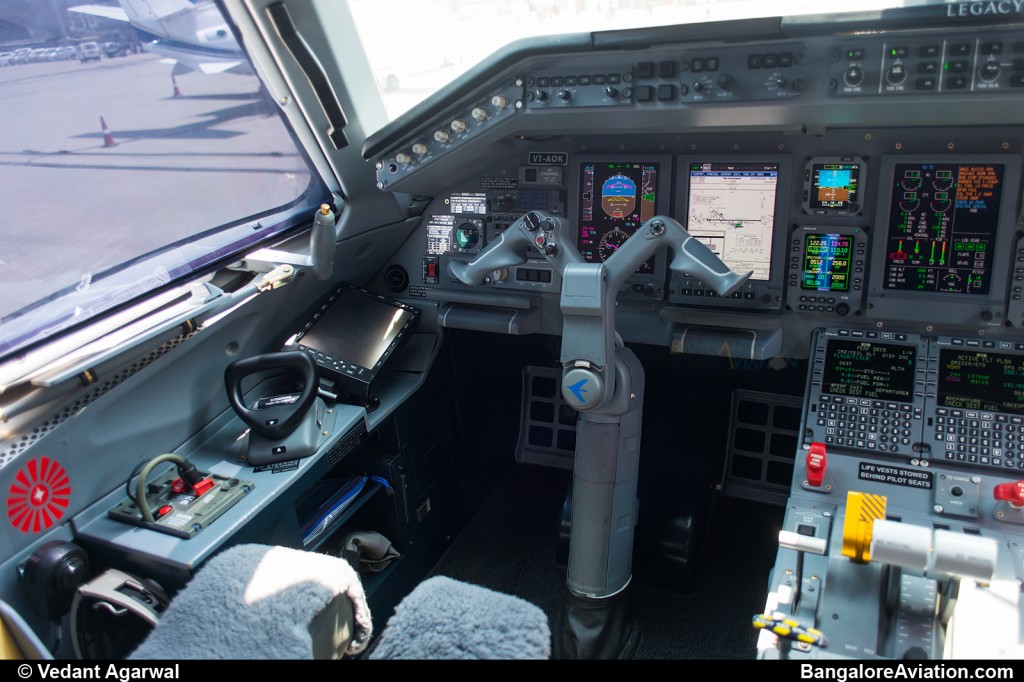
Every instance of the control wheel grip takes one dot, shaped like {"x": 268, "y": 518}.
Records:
{"x": 694, "y": 257}
{"x": 287, "y": 418}
{"x": 509, "y": 249}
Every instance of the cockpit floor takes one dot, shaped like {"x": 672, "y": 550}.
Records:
{"x": 512, "y": 546}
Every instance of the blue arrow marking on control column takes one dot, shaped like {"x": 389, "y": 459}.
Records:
{"x": 578, "y": 390}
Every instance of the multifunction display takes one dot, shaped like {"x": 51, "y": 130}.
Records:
{"x": 942, "y": 226}
{"x": 731, "y": 208}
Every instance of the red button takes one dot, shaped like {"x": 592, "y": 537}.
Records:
{"x": 539, "y": 239}
{"x": 164, "y": 510}
{"x": 816, "y": 463}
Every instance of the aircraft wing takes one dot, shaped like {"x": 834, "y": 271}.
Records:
{"x": 188, "y": 60}
{"x": 106, "y": 11}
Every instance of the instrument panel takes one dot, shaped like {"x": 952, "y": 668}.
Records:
{"x": 870, "y": 181}
{"x": 881, "y": 238}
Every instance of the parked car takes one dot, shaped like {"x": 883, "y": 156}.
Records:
{"x": 89, "y": 51}
{"x": 115, "y": 48}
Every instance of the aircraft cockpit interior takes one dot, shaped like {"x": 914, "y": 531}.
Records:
{"x": 688, "y": 340}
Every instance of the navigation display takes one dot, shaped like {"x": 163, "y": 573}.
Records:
{"x": 826, "y": 262}
{"x": 616, "y": 198}
{"x": 942, "y": 226}
{"x": 973, "y": 380}
{"x": 862, "y": 369}
{"x": 731, "y": 208}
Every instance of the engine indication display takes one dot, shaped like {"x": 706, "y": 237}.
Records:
{"x": 616, "y": 198}
{"x": 943, "y": 219}
{"x": 833, "y": 185}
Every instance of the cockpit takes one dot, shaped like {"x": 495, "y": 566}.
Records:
{"x": 701, "y": 337}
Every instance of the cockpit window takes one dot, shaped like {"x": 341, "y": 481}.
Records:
{"x": 417, "y": 46}
{"x": 134, "y": 154}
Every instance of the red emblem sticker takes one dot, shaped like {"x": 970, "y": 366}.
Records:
{"x": 39, "y": 495}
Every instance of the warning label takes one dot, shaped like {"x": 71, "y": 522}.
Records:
{"x": 496, "y": 182}
{"x": 278, "y": 467}
{"x": 910, "y": 478}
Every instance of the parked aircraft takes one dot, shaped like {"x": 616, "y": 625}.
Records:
{"x": 192, "y": 34}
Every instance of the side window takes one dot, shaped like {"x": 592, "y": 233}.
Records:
{"x": 138, "y": 148}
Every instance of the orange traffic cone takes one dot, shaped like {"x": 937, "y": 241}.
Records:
{"x": 177, "y": 90}
{"x": 108, "y": 139}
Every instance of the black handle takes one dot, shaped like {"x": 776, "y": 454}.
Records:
{"x": 313, "y": 70}
{"x": 280, "y": 421}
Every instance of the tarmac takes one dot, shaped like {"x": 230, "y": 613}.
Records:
{"x": 76, "y": 201}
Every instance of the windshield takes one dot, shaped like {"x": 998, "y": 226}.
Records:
{"x": 417, "y": 46}
{"x": 132, "y": 157}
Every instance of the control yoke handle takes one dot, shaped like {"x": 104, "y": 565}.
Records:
{"x": 553, "y": 238}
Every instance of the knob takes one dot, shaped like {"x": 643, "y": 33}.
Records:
{"x": 551, "y": 249}
{"x": 896, "y": 74}
{"x": 441, "y": 135}
{"x": 989, "y": 71}
{"x": 459, "y": 126}
{"x": 547, "y": 225}
{"x": 724, "y": 81}
{"x": 842, "y": 309}
{"x": 499, "y": 102}
{"x": 683, "y": 88}
{"x": 540, "y": 95}
{"x": 611, "y": 91}
{"x": 853, "y": 76}
{"x": 700, "y": 86}
{"x": 499, "y": 275}
{"x": 479, "y": 113}
{"x": 419, "y": 149}
{"x": 565, "y": 95}
{"x": 403, "y": 158}
{"x": 777, "y": 82}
